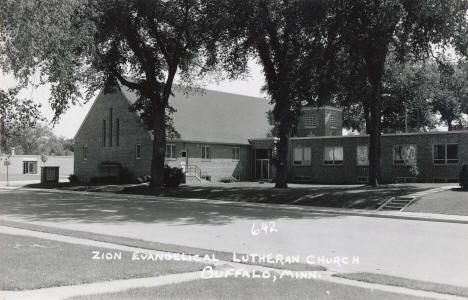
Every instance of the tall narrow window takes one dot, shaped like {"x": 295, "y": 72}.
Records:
{"x": 332, "y": 120}
{"x": 362, "y": 158}
{"x": 206, "y": 152}
{"x": 104, "y": 133}
{"x": 170, "y": 151}
{"x": 117, "y": 132}
{"x": 235, "y": 153}
{"x": 137, "y": 151}
{"x": 85, "y": 152}
{"x": 110, "y": 127}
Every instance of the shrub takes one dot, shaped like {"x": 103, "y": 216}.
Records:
{"x": 105, "y": 180}
{"x": 414, "y": 171}
{"x": 228, "y": 179}
{"x": 173, "y": 177}
{"x": 125, "y": 176}
{"x": 73, "y": 179}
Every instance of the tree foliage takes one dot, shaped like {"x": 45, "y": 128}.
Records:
{"x": 273, "y": 32}
{"x": 94, "y": 44}
{"x": 16, "y": 115}
{"x": 40, "y": 139}
{"x": 370, "y": 29}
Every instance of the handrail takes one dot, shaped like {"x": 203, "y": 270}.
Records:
{"x": 193, "y": 170}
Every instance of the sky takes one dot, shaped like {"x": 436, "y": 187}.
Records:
{"x": 71, "y": 120}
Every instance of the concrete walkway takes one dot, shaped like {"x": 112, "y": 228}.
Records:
{"x": 64, "y": 292}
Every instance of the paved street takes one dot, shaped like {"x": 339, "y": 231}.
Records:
{"x": 430, "y": 251}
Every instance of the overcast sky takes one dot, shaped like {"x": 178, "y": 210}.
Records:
{"x": 71, "y": 120}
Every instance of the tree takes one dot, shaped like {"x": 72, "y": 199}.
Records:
{"x": 408, "y": 89}
{"x": 451, "y": 93}
{"x": 39, "y": 139}
{"x": 273, "y": 32}
{"x": 139, "y": 44}
{"x": 16, "y": 115}
{"x": 370, "y": 28}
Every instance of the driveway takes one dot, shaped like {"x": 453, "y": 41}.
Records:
{"x": 430, "y": 251}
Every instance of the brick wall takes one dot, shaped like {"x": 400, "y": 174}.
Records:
{"x": 323, "y": 127}
{"x": 349, "y": 171}
{"x": 131, "y": 130}
{"x": 221, "y": 164}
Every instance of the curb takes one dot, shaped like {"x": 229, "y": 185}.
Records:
{"x": 293, "y": 208}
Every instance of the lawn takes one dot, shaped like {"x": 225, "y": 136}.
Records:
{"x": 452, "y": 202}
{"x": 32, "y": 263}
{"x": 337, "y": 196}
{"x": 229, "y": 288}
{"x": 407, "y": 283}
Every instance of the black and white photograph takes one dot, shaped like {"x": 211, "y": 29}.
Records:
{"x": 233, "y": 149}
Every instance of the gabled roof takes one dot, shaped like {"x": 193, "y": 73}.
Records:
{"x": 217, "y": 117}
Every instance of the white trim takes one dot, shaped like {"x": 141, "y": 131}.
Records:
{"x": 29, "y": 159}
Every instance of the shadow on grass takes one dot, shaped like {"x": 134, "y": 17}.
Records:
{"x": 459, "y": 189}
{"x": 358, "y": 197}
{"x": 90, "y": 208}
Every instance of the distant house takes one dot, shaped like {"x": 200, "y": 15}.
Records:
{"x": 28, "y": 167}
{"x": 214, "y": 129}
{"x": 225, "y": 135}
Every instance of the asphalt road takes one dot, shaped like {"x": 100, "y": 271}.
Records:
{"x": 430, "y": 251}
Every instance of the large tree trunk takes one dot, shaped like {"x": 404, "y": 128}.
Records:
{"x": 375, "y": 135}
{"x": 282, "y": 145}
{"x": 376, "y": 68}
{"x": 159, "y": 146}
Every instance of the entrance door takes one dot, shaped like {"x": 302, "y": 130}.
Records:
{"x": 262, "y": 169}
{"x": 184, "y": 160}
{"x": 262, "y": 163}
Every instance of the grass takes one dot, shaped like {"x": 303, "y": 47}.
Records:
{"x": 354, "y": 196}
{"x": 407, "y": 283}
{"x": 226, "y": 256}
{"x": 452, "y": 202}
{"x": 229, "y": 288}
{"x": 32, "y": 263}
